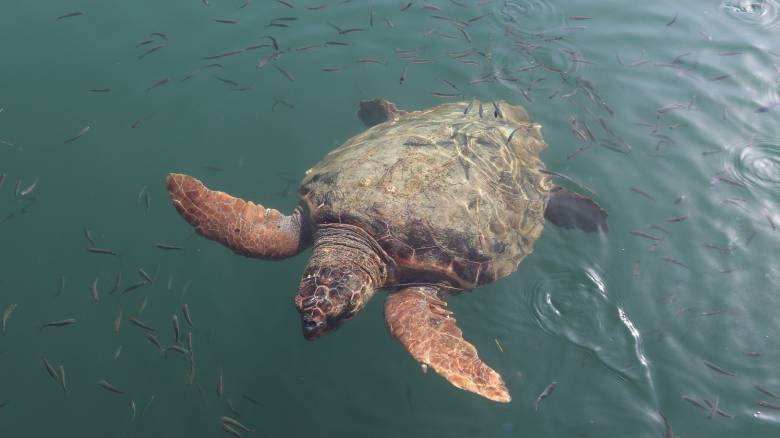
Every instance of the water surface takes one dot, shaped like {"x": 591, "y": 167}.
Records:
{"x": 681, "y": 100}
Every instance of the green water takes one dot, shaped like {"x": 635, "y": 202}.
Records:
{"x": 617, "y": 321}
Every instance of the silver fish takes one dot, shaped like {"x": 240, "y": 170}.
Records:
{"x": 546, "y": 393}
{"x": 7, "y": 314}
{"x": 109, "y": 387}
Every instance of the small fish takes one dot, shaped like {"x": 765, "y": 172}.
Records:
{"x": 61, "y": 287}
{"x": 285, "y": 73}
{"x": 406, "y": 6}
{"x": 266, "y": 59}
{"x": 187, "y": 317}
{"x": 29, "y": 189}
{"x": 766, "y": 404}
{"x": 274, "y": 42}
{"x": 140, "y": 323}
{"x": 178, "y": 349}
{"x": 100, "y": 90}
{"x": 645, "y": 235}
{"x": 154, "y": 341}
{"x": 231, "y": 431}
{"x": 440, "y": 94}
{"x": 643, "y": 193}
{"x": 714, "y": 408}
{"x": 252, "y": 400}
{"x": 752, "y": 354}
{"x": 191, "y": 372}
{"x": 71, "y": 14}
{"x": 176, "y": 331}
{"x": 189, "y": 342}
{"x": 145, "y": 275}
{"x": 766, "y": 391}
{"x": 117, "y": 352}
{"x": 134, "y": 286}
{"x": 109, "y": 387}
{"x": 667, "y": 426}
{"x": 677, "y": 219}
{"x": 403, "y": 75}
{"x": 218, "y": 20}
{"x": 580, "y": 17}
{"x": 674, "y": 261}
{"x": 62, "y": 378}
{"x": 149, "y": 403}
{"x": 718, "y": 78}
{"x": 117, "y": 283}
{"x": 673, "y": 20}
{"x": 143, "y": 304}
{"x": 158, "y": 83}
{"x": 168, "y": 247}
{"x": 718, "y": 369}
{"x": 222, "y": 55}
{"x": 95, "y": 292}
{"x": 88, "y": 235}
{"x": 310, "y": 46}
{"x": 50, "y": 369}
{"x": 288, "y": 4}
{"x": 693, "y": 401}
{"x": 731, "y": 181}
{"x": 160, "y": 34}
{"x": 150, "y": 51}
{"x": 81, "y": 133}
{"x": 468, "y": 108}
{"x": 59, "y": 323}
{"x": 498, "y": 344}
{"x": 132, "y": 410}
{"x": 546, "y": 393}
{"x": 220, "y": 384}
{"x": 257, "y": 46}
{"x": 7, "y": 314}
{"x": 234, "y": 422}
{"x": 730, "y": 53}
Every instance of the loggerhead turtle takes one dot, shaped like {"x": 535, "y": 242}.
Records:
{"x": 426, "y": 204}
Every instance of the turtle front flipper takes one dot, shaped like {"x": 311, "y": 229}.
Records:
{"x": 418, "y": 318}
{"x": 379, "y": 110}
{"x": 569, "y": 210}
{"x": 245, "y": 227}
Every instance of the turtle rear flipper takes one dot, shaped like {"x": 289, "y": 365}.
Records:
{"x": 245, "y": 227}
{"x": 569, "y": 210}
{"x": 379, "y": 110}
{"x": 418, "y": 318}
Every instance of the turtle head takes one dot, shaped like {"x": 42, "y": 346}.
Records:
{"x": 342, "y": 275}
{"x": 328, "y": 297}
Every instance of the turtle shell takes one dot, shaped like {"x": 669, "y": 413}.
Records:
{"x": 451, "y": 195}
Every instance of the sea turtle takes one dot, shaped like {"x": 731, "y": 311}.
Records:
{"x": 425, "y": 204}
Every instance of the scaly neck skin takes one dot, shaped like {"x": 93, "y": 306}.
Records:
{"x": 345, "y": 269}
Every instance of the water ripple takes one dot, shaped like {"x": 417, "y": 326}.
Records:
{"x": 763, "y": 13}
{"x": 577, "y": 307}
{"x": 758, "y": 165}
{"x": 542, "y": 13}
